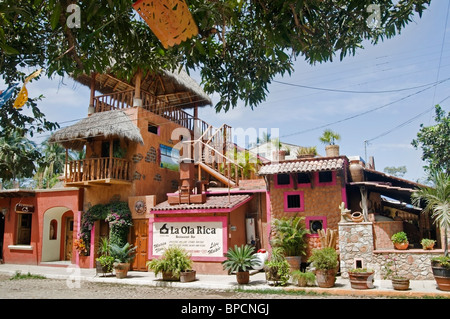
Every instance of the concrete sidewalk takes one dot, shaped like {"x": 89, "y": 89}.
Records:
{"x": 383, "y": 288}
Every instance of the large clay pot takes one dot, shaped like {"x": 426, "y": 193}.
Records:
{"x": 361, "y": 280}
{"x": 168, "y": 276}
{"x": 356, "y": 171}
{"x": 441, "y": 275}
{"x": 187, "y": 276}
{"x": 326, "y": 278}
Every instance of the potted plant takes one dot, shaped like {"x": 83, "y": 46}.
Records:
{"x": 400, "y": 240}
{"x": 427, "y": 244}
{"x": 289, "y": 234}
{"x": 105, "y": 262}
{"x": 122, "y": 255}
{"x": 174, "y": 264}
{"x": 361, "y": 278}
{"x": 304, "y": 279}
{"x": 277, "y": 268}
{"x": 306, "y": 152}
{"x": 398, "y": 282}
{"x": 329, "y": 138}
{"x": 240, "y": 260}
{"x": 325, "y": 262}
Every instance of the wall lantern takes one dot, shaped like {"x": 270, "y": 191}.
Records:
{"x": 5, "y": 211}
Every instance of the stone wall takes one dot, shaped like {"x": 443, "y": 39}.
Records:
{"x": 356, "y": 245}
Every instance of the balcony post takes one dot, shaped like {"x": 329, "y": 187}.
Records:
{"x": 111, "y": 146}
{"x": 137, "y": 101}
{"x": 91, "y": 108}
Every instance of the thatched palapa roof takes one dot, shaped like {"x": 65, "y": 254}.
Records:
{"x": 176, "y": 87}
{"x": 108, "y": 124}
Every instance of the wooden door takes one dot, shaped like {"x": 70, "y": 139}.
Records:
{"x": 139, "y": 238}
{"x": 69, "y": 239}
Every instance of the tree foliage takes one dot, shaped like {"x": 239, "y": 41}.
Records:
{"x": 241, "y": 46}
{"x": 434, "y": 141}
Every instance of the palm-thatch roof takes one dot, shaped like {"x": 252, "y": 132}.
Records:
{"x": 175, "y": 87}
{"x": 108, "y": 124}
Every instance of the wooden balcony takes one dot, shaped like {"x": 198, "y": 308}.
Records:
{"x": 97, "y": 171}
{"x": 124, "y": 99}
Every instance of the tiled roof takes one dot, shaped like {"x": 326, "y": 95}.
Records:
{"x": 212, "y": 202}
{"x": 304, "y": 165}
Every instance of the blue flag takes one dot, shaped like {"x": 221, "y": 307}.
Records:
{"x": 6, "y": 95}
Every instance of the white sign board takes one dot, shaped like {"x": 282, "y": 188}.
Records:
{"x": 199, "y": 238}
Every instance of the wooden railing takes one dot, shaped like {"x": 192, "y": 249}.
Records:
{"x": 94, "y": 169}
{"x": 152, "y": 103}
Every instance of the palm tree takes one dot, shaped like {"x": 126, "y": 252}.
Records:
{"x": 54, "y": 157}
{"x": 329, "y": 137}
{"x": 17, "y": 156}
{"x": 437, "y": 201}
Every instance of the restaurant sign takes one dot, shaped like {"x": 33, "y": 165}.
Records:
{"x": 200, "y": 238}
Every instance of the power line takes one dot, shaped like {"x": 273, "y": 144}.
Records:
{"x": 366, "y": 112}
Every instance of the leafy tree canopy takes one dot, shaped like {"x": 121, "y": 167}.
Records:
{"x": 241, "y": 46}
{"x": 434, "y": 141}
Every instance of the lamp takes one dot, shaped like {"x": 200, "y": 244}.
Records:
{"x": 4, "y": 211}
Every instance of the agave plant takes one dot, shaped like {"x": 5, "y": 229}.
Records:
{"x": 123, "y": 254}
{"x": 241, "y": 259}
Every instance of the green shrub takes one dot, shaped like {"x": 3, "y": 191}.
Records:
{"x": 324, "y": 259}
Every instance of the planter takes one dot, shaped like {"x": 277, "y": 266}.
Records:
{"x": 400, "y": 283}
{"x": 243, "y": 277}
{"x": 356, "y": 171}
{"x": 357, "y": 217}
{"x": 294, "y": 262}
{"x": 401, "y": 246}
{"x": 169, "y": 276}
{"x": 121, "y": 270}
{"x": 187, "y": 276}
{"x": 332, "y": 150}
{"x": 326, "y": 278}
{"x": 361, "y": 280}
{"x": 102, "y": 269}
{"x": 441, "y": 275}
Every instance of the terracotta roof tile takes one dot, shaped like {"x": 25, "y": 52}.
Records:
{"x": 301, "y": 166}
{"x": 212, "y": 202}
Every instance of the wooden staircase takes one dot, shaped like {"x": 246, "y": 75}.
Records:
{"x": 211, "y": 154}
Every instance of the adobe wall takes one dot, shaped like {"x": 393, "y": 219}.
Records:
{"x": 319, "y": 201}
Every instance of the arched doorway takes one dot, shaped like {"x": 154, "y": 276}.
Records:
{"x": 57, "y": 235}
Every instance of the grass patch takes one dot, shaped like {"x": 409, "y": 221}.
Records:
{"x": 282, "y": 292}
{"x": 18, "y": 275}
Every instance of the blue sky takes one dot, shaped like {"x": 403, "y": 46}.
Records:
{"x": 388, "y": 121}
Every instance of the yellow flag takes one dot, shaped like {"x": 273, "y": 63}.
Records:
{"x": 22, "y": 97}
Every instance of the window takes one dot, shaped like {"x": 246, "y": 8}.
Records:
{"x": 169, "y": 157}
{"x": 314, "y": 224}
{"x": 303, "y": 179}
{"x": 24, "y": 229}
{"x": 293, "y": 202}
{"x": 153, "y": 128}
{"x": 283, "y": 181}
{"x": 326, "y": 178}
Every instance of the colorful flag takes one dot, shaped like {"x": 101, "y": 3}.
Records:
{"x": 22, "y": 97}
{"x": 6, "y": 95}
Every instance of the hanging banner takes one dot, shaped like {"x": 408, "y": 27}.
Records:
{"x": 6, "y": 95}
{"x": 22, "y": 97}
{"x": 200, "y": 238}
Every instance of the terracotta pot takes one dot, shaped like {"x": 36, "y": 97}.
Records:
{"x": 326, "y": 278}
{"x": 332, "y": 150}
{"x": 294, "y": 262}
{"x": 168, "y": 276}
{"x": 361, "y": 280}
{"x": 357, "y": 217}
{"x": 121, "y": 270}
{"x": 401, "y": 246}
{"x": 187, "y": 276}
{"x": 356, "y": 171}
{"x": 400, "y": 283}
{"x": 441, "y": 275}
{"x": 243, "y": 277}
